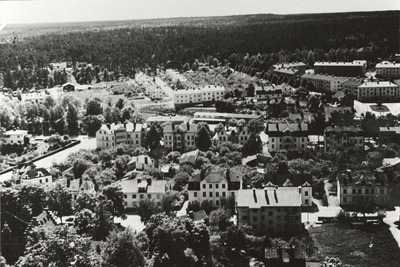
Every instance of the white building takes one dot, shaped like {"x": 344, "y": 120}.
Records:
{"x": 34, "y": 98}
{"x": 115, "y": 134}
{"x": 267, "y": 92}
{"x": 213, "y": 185}
{"x": 187, "y": 96}
{"x": 284, "y": 136}
{"x": 78, "y": 187}
{"x": 14, "y": 137}
{"x": 164, "y": 119}
{"x": 33, "y": 176}
{"x": 372, "y": 91}
{"x": 211, "y": 93}
{"x": 141, "y": 163}
{"x": 324, "y": 82}
{"x": 138, "y": 189}
{"x": 388, "y": 69}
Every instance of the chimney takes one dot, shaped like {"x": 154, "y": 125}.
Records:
{"x": 299, "y": 188}
{"x": 266, "y": 195}
{"x": 228, "y": 175}
{"x": 188, "y": 126}
{"x": 254, "y": 195}
{"x": 275, "y": 195}
{"x": 148, "y": 181}
{"x": 277, "y": 126}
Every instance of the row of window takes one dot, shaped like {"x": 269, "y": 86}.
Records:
{"x": 303, "y": 139}
{"x": 216, "y": 186}
{"x": 366, "y": 191}
{"x": 142, "y": 196}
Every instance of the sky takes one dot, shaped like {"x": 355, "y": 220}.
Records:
{"x": 39, "y": 11}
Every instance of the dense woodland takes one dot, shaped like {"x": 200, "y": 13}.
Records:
{"x": 255, "y": 41}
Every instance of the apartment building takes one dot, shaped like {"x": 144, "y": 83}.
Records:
{"x": 352, "y": 190}
{"x": 339, "y": 138}
{"x": 138, "y": 189}
{"x": 110, "y": 135}
{"x": 270, "y": 210}
{"x": 196, "y": 95}
{"x": 212, "y": 93}
{"x": 179, "y": 137}
{"x": 324, "y": 82}
{"x": 287, "y": 136}
{"x": 373, "y": 91}
{"x": 355, "y": 68}
{"x": 388, "y": 69}
{"x": 267, "y": 92}
{"x": 213, "y": 185}
{"x": 166, "y": 119}
{"x": 350, "y": 86}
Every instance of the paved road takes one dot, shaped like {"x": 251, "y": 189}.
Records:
{"x": 86, "y": 143}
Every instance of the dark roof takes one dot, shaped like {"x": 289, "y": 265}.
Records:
{"x": 36, "y": 172}
{"x": 289, "y": 179}
{"x": 199, "y": 215}
{"x": 343, "y": 129}
{"x": 380, "y": 179}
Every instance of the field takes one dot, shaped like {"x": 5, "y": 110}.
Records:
{"x": 352, "y": 245}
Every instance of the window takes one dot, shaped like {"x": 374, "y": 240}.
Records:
{"x": 210, "y": 194}
{"x": 359, "y": 191}
{"x": 195, "y": 194}
{"x": 210, "y": 186}
{"x": 306, "y": 193}
{"x": 270, "y": 213}
{"x": 217, "y": 194}
{"x": 125, "y": 196}
{"x": 354, "y": 191}
{"x": 217, "y": 186}
{"x": 134, "y": 196}
{"x": 344, "y": 199}
{"x": 223, "y": 194}
{"x": 217, "y": 202}
{"x": 306, "y": 201}
{"x": 366, "y": 191}
{"x": 344, "y": 191}
{"x": 372, "y": 191}
{"x": 204, "y": 186}
{"x": 204, "y": 194}
{"x": 223, "y": 186}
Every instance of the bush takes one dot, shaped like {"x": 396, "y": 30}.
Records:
{"x": 325, "y": 200}
{"x": 343, "y": 217}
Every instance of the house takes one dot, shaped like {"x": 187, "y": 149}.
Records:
{"x": 179, "y": 137}
{"x": 138, "y": 189}
{"x": 110, "y": 135}
{"x": 355, "y": 68}
{"x": 14, "y": 137}
{"x": 389, "y": 135}
{"x": 270, "y": 210}
{"x": 199, "y": 217}
{"x": 287, "y": 136}
{"x": 77, "y": 187}
{"x": 68, "y": 87}
{"x": 141, "y": 163}
{"x": 257, "y": 160}
{"x": 213, "y": 185}
{"x": 352, "y": 190}
{"x": 388, "y": 69}
{"x": 189, "y": 157}
{"x": 373, "y": 91}
{"x": 32, "y": 176}
{"x": 339, "y": 138}
{"x": 392, "y": 162}
{"x": 267, "y": 92}
{"x": 35, "y": 97}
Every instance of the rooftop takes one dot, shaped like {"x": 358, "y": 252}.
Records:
{"x": 324, "y": 77}
{"x": 387, "y": 64}
{"x": 377, "y": 84}
{"x": 340, "y": 63}
{"x": 269, "y": 197}
{"x": 132, "y": 185}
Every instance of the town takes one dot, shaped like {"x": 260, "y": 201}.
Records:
{"x": 215, "y": 163}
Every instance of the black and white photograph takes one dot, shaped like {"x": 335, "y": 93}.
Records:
{"x": 200, "y": 133}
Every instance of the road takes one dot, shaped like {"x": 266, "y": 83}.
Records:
{"x": 86, "y": 143}
{"x": 390, "y": 219}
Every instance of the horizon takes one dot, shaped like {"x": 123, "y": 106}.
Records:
{"x": 75, "y": 11}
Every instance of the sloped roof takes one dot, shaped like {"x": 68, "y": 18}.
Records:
{"x": 296, "y": 179}
{"x": 391, "y": 161}
{"x": 131, "y": 186}
{"x": 37, "y": 172}
{"x": 269, "y": 197}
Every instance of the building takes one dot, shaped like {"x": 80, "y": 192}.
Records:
{"x": 287, "y": 136}
{"x": 198, "y": 95}
{"x": 179, "y": 137}
{"x": 141, "y": 163}
{"x": 138, "y": 189}
{"x": 223, "y": 117}
{"x": 34, "y": 98}
{"x": 213, "y": 185}
{"x": 324, "y": 82}
{"x": 110, "y": 135}
{"x": 374, "y": 91}
{"x": 389, "y": 135}
{"x": 292, "y": 65}
{"x": 155, "y": 91}
{"x": 14, "y": 137}
{"x": 350, "y": 86}
{"x": 339, "y": 138}
{"x": 391, "y": 162}
{"x": 388, "y": 69}
{"x": 288, "y": 73}
{"x": 271, "y": 209}
{"x": 212, "y": 93}
{"x": 164, "y": 119}
{"x": 189, "y": 157}
{"x": 267, "y": 92}
{"x": 32, "y": 176}
{"x": 352, "y": 190}
{"x": 77, "y": 187}
{"x": 330, "y": 109}
{"x": 348, "y": 69}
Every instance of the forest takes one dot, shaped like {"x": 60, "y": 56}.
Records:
{"x": 267, "y": 39}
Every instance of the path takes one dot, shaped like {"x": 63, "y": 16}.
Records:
{"x": 390, "y": 219}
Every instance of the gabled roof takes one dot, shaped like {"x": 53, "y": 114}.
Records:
{"x": 37, "y": 172}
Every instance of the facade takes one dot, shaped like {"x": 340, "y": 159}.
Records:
{"x": 350, "y": 86}
{"x": 372, "y": 189}
{"x": 164, "y": 119}
{"x": 34, "y": 98}
{"x": 270, "y": 209}
{"x": 348, "y": 69}
{"x": 14, "y": 137}
{"x": 138, "y": 189}
{"x": 179, "y": 137}
{"x": 288, "y": 72}
{"x": 373, "y": 91}
{"x": 388, "y": 69}
{"x": 197, "y": 95}
{"x": 287, "y": 136}
{"x": 267, "y": 92}
{"x": 212, "y": 93}
{"x": 213, "y": 186}
{"x": 389, "y": 135}
{"x": 155, "y": 91}
{"x": 225, "y": 116}
{"x": 324, "y": 82}
{"x": 339, "y": 138}
{"x": 115, "y": 134}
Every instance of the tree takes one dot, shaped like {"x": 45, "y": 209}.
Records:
{"x": 103, "y": 221}
{"x": 235, "y": 238}
{"x": 256, "y": 126}
{"x": 120, "y": 104}
{"x": 60, "y": 200}
{"x": 219, "y": 219}
{"x": 203, "y": 140}
{"x": 250, "y": 90}
{"x": 121, "y": 250}
{"x": 253, "y": 145}
{"x": 153, "y": 137}
{"x": 168, "y": 200}
{"x": 33, "y": 196}
{"x": 84, "y": 221}
{"x": 73, "y": 120}
{"x": 180, "y": 180}
{"x": 85, "y": 201}
{"x": 147, "y": 207}
{"x": 114, "y": 194}
{"x": 93, "y": 124}
{"x": 93, "y": 107}
{"x": 57, "y": 247}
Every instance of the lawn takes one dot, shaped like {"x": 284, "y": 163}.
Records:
{"x": 352, "y": 244}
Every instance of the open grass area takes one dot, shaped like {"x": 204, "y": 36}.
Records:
{"x": 352, "y": 244}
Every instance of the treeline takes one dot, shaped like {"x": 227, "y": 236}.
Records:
{"x": 288, "y": 38}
